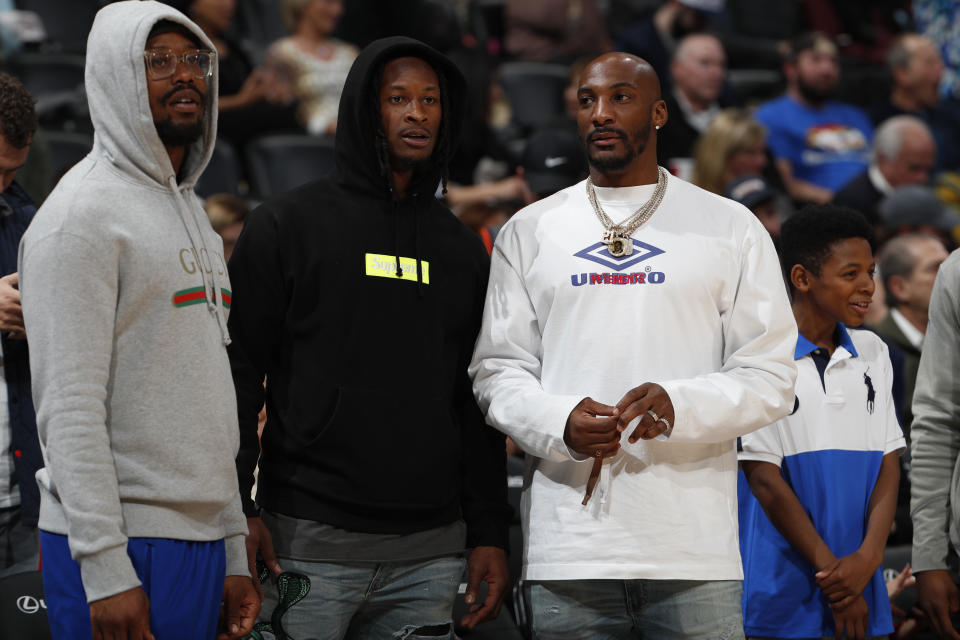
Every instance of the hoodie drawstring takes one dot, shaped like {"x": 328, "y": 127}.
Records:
{"x": 212, "y": 290}
{"x": 395, "y": 206}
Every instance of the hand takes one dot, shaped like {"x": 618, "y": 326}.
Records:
{"x": 11, "y": 314}
{"x": 938, "y": 596}
{"x": 638, "y": 402}
{"x": 277, "y": 82}
{"x": 259, "y": 539}
{"x": 844, "y": 579}
{"x": 241, "y": 604}
{"x": 904, "y": 580}
{"x": 592, "y": 427}
{"x": 486, "y": 564}
{"x": 253, "y": 89}
{"x": 512, "y": 188}
{"x": 852, "y": 620}
{"x": 124, "y": 615}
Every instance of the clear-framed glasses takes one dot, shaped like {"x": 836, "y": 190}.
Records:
{"x": 162, "y": 62}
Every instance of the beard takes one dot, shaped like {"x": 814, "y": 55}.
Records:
{"x": 180, "y": 135}
{"x": 634, "y": 146}
{"x": 813, "y": 94}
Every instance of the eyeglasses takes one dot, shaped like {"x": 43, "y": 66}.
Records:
{"x": 162, "y": 62}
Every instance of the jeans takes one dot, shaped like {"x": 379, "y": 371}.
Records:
{"x": 647, "y": 609}
{"x": 402, "y": 601}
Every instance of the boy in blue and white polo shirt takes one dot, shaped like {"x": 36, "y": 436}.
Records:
{"x": 823, "y": 481}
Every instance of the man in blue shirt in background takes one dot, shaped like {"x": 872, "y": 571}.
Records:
{"x": 819, "y": 144}
{"x": 19, "y": 447}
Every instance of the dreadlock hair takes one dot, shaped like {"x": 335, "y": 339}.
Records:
{"x": 442, "y": 152}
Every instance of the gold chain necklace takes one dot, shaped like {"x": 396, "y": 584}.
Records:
{"x": 617, "y": 236}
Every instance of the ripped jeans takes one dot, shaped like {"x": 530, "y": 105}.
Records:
{"x": 393, "y": 601}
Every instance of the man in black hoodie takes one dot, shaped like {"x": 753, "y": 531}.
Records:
{"x": 359, "y": 297}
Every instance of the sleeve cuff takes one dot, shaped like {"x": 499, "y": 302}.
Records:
{"x": 895, "y": 445}
{"x": 759, "y": 456}
{"x": 564, "y": 406}
{"x": 107, "y": 573}
{"x": 924, "y": 558}
{"x": 236, "y": 550}
{"x": 680, "y": 413}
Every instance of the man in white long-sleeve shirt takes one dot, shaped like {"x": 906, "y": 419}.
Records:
{"x": 634, "y": 326}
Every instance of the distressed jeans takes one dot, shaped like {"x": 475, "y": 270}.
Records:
{"x": 401, "y": 601}
{"x": 636, "y": 609}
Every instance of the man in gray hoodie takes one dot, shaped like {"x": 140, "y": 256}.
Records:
{"x": 935, "y": 452}
{"x": 125, "y": 297}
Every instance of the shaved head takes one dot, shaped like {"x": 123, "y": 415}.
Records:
{"x": 619, "y": 109}
{"x": 644, "y": 75}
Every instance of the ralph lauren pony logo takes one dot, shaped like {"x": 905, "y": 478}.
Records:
{"x": 600, "y": 254}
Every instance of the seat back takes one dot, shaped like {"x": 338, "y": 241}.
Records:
{"x": 222, "y": 174}
{"x": 534, "y": 90}
{"x": 45, "y": 74}
{"x": 66, "y": 148}
{"x": 278, "y": 163}
{"x": 23, "y": 612}
{"x": 67, "y": 23}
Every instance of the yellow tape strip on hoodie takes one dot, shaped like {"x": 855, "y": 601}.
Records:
{"x": 384, "y": 266}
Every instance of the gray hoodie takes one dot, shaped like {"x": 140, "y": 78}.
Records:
{"x": 935, "y": 433}
{"x": 135, "y": 402}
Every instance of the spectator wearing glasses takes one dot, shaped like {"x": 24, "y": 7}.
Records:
{"x": 125, "y": 296}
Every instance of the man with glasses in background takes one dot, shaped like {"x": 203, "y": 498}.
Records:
{"x": 125, "y": 295}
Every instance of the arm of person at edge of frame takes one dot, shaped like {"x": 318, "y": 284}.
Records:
{"x": 934, "y": 449}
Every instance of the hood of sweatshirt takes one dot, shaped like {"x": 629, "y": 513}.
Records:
{"x": 125, "y": 133}
{"x": 116, "y": 84}
{"x": 357, "y": 163}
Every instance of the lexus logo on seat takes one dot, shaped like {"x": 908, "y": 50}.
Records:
{"x": 30, "y": 605}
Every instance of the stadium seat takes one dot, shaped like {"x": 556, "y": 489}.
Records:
{"x": 222, "y": 174}
{"x": 44, "y": 74}
{"x": 534, "y": 90}
{"x": 66, "y": 149}
{"x": 23, "y": 612}
{"x": 67, "y": 23}
{"x": 278, "y": 163}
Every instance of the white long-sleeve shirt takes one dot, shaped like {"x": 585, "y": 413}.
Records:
{"x": 700, "y": 308}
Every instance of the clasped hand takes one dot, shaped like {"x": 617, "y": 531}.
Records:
{"x": 594, "y": 428}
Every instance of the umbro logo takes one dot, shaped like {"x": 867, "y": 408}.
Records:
{"x": 601, "y": 255}
{"x": 552, "y": 162}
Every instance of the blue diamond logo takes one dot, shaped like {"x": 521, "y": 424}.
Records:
{"x": 601, "y": 255}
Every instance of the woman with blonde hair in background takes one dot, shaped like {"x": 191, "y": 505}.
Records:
{"x": 314, "y": 63}
{"x": 734, "y": 145}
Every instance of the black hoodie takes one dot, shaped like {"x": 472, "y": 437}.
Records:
{"x": 371, "y": 422}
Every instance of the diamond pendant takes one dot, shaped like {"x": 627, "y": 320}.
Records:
{"x": 618, "y": 245}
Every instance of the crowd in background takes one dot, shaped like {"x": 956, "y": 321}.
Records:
{"x": 773, "y": 104}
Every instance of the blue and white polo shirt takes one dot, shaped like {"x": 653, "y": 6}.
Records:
{"x": 829, "y": 451}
